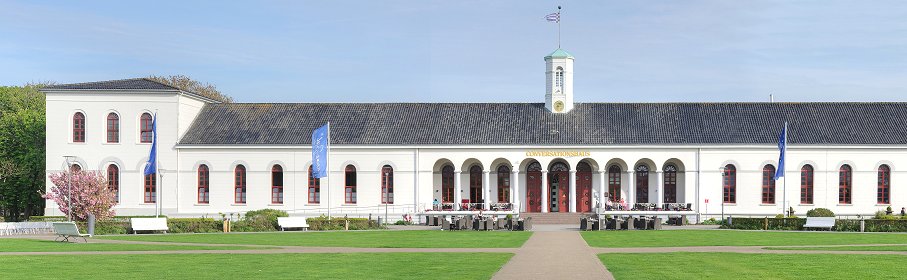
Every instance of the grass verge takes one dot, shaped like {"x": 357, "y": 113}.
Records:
{"x": 894, "y": 248}
{"x": 32, "y": 245}
{"x": 359, "y": 239}
{"x": 257, "y": 266}
{"x": 753, "y": 266}
{"x": 687, "y": 238}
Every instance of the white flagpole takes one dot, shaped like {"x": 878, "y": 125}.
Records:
{"x": 784, "y": 171}
{"x": 558, "y": 27}
{"x": 157, "y": 173}
{"x": 327, "y": 169}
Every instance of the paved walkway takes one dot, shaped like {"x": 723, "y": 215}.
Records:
{"x": 556, "y": 255}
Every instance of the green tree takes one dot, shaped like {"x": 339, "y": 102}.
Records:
{"x": 188, "y": 84}
{"x": 22, "y": 151}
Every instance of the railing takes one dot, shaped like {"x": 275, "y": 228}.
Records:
{"x": 26, "y": 228}
{"x": 614, "y": 206}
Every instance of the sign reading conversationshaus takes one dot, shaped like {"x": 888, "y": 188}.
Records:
{"x": 557, "y": 153}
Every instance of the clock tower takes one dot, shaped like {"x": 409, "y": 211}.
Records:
{"x": 559, "y": 85}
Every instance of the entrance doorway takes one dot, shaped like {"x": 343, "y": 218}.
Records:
{"x": 558, "y": 187}
{"x": 584, "y": 187}
{"x": 534, "y": 187}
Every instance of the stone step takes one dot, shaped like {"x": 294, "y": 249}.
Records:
{"x": 554, "y": 218}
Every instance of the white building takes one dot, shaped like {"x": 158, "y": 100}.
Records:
{"x": 554, "y": 156}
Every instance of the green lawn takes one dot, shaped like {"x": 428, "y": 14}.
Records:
{"x": 31, "y": 245}
{"x": 896, "y": 248}
{"x": 256, "y": 266}
{"x": 686, "y": 238}
{"x": 360, "y": 239}
{"x": 753, "y": 266}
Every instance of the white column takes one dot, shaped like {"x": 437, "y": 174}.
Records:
{"x": 572, "y": 193}
{"x": 486, "y": 191}
{"x": 458, "y": 190}
{"x": 545, "y": 202}
{"x": 514, "y": 186}
{"x": 631, "y": 191}
{"x": 603, "y": 187}
{"x": 659, "y": 187}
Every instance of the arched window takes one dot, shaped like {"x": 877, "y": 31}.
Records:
{"x": 729, "y": 180}
{"x": 503, "y": 184}
{"x": 642, "y": 184}
{"x": 475, "y": 184}
{"x": 150, "y": 188}
{"x": 614, "y": 183}
{"x": 75, "y": 167}
{"x": 806, "y": 184}
{"x": 113, "y": 128}
{"x": 239, "y": 184}
{"x": 559, "y": 79}
{"x": 314, "y": 188}
{"x": 78, "y": 127}
{"x": 113, "y": 180}
{"x": 670, "y": 184}
{"x": 387, "y": 185}
{"x": 884, "y": 194}
{"x": 350, "y": 188}
{"x": 276, "y": 184}
{"x": 203, "y": 185}
{"x": 145, "y": 128}
{"x": 447, "y": 184}
{"x": 845, "y": 184}
{"x": 768, "y": 184}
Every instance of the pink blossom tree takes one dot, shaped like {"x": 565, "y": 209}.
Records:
{"x": 90, "y": 194}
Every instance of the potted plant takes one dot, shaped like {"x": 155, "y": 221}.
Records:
{"x": 888, "y": 211}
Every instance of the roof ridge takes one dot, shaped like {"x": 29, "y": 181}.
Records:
{"x": 62, "y": 86}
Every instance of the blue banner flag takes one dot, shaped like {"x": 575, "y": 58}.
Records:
{"x": 151, "y": 167}
{"x": 782, "y": 146}
{"x": 320, "y": 144}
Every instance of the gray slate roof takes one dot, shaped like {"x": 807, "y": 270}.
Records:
{"x": 532, "y": 124}
{"x": 125, "y": 84}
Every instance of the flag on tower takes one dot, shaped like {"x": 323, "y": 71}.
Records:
{"x": 555, "y": 17}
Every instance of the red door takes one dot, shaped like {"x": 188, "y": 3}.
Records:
{"x": 559, "y": 189}
{"x": 584, "y": 191}
{"x": 534, "y": 191}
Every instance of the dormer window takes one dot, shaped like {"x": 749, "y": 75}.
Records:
{"x": 559, "y": 80}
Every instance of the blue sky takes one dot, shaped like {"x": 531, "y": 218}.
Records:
{"x": 470, "y": 51}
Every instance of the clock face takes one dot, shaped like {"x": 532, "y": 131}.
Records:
{"x": 558, "y": 106}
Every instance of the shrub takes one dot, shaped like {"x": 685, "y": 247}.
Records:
{"x": 791, "y": 223}
{"x": 820, "y": 212}
{"x": 105, "y": 227}
{"x": 259, "y": 220}
{"x": 880, "y": 214}
{"x": 322, "y": 223}
{"x": 779, "y": 216}
{"x": 194, "y": 225}
{"x": 712, "y": 221}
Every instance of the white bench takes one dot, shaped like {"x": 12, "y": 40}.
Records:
{"x": 292, "y": 222}
{"x": 149, "y": 224}
{"x": 819, "y": 222}
{"x": 67, "y": 230}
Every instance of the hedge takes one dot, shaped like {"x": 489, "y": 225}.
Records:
{"x": 871, "y": 225}
{"x": 322, "y": 223}
{"x": 760, "y": 223}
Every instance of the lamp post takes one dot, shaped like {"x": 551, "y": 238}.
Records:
{"x": 69, "y": 186}
{"x": 157, "y": 192}
{"x": 723, "y": 171}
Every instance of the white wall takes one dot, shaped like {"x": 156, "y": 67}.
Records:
{"x": 415, "y": 191}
